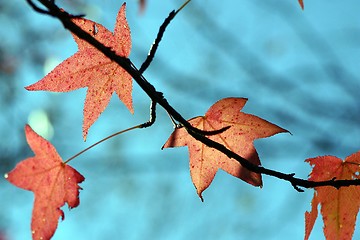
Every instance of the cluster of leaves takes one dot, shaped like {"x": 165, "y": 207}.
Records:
{"x": 221, "y": 139}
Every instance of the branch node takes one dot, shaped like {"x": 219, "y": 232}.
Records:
{"x": 152, "y": 115}
{"x": 297, "y": 188}
{"x": 37, "y": 9}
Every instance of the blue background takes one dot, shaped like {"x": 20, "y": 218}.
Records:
{"x": 299, "y": 69}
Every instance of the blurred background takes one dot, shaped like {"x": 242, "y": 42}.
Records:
{"x": 299, "y": 70}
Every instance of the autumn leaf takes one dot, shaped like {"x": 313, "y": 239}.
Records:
{"x": 244, "y": 129}
{"x": 301, "y": 4}
{"x": 53, "y": 182}
{"x": 339, "y": 207}
{"x": 88, "y": 67}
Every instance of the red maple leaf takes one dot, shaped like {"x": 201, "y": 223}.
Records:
{"x": 244, "y": 129}
{"x": 339, "y": 207}
{"x": 52, "y": 181}
{"x": 88, "y": 67}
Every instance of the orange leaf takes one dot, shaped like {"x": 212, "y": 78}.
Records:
{"x": 244, "y": 129}
{"x": 52, "y": 181}
{"x": 90, "y": 68}
{"x": 339, "y": 207}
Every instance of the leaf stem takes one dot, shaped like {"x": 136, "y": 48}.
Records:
{"x": 102, "y": 140}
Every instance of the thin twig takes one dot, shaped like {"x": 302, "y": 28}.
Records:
{"x": 155, "y": 45}
{"x": 37, "y": 9}
{"x": 182, "y": 6}
{"x": 158, "y": 38}
{"x": 151, "y": 56}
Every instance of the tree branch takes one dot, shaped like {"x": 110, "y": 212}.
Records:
{"x": 157, "y": 97}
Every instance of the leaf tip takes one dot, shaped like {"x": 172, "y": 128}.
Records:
{"x": 85, "y": 132}
{"x": 310, "y": 217}
{"x": 142, "y": 6}
{"x": 27, "y": 127}
{"x": 283, "y": 130}
{"x": 30, "y": 88}
{"x": 301, "y": 4}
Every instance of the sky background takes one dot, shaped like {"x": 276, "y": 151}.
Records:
{"x": 299, "y": 70}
